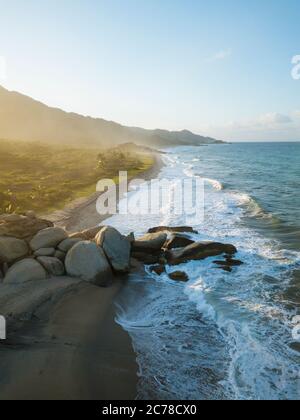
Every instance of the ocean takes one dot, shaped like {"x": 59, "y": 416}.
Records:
{"x": 224, "y": 335}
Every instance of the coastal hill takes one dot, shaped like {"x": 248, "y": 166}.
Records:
{"x": 23, "y": 118}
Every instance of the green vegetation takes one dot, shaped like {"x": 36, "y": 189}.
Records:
{"x": 43, "y": 178}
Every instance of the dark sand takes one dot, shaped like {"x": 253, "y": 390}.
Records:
{"x": 69, "y": 348}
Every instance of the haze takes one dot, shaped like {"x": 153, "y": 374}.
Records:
{"x": 220, "y": 69}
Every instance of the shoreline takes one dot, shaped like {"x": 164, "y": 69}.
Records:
{"x": 63, "y": 340}
{"x": 81, "y": 214}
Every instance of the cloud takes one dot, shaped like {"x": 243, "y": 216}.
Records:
{"x": 297, "y": 114}
{"x": 270, "y": 126}
{"x": 220, "y": 55}
{"x": 274, "y": 118}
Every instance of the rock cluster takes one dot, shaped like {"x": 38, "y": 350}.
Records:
{"x": 173, "y": 246}
{"x": 95, "y": 255}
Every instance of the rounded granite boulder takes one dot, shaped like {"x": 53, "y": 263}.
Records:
{"x": 48, "y": 238}
{"x": 87, "y": 261}
{"x": 12, "y": 249}
{"x": 25, "y": 270}
{"x": 116, "y": 247}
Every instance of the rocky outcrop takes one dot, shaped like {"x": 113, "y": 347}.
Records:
{"x": 150, "y": 242}
{"x": 22, "y": 226}
{"x": 87, "y": 261}
{"x": 51, "y": 252}
{"x": 12, "y": 249}
{"x": 116, "y": 247}
{"x": 199, "y": 251}
{"x": 25, "y": 270}
{"x": 177, "y": 240}
{"x": 48, "y": 238}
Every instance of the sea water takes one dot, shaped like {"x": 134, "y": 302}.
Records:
{"x": 224, "y": 335}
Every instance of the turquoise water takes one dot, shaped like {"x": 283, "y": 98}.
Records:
{"x": 269, "y": 173}
{"x": 223, "y": 335}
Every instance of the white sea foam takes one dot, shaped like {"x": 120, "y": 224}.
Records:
{"x": 222, "y": 335}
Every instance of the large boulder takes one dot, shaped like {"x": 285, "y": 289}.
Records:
{"x": 67, "y": 244}
{"x": 116, "y": 247}
{"x": 25, "y": 270}
{"x": 48, "y": 238}
{"x": 150, "y": 242}
{"x": 52, "y": 265}
{"x": 87, "y": 261}
{"x": 12, "y": 249}
{"x": 22, "y": 227}
{"x": 199, "y": 251}
{"x": 178, "y": 229}
{"x": 45, "y": 252}
{"x": 178, "y": 240}
{"x": 87, "y": 234}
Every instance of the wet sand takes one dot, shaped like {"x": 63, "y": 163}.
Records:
{"x": 70, "y": 348}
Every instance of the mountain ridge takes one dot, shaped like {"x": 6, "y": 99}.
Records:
{"x": 27, "y": 119}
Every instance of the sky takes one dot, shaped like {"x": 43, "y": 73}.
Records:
{"x": 221, "y": 67}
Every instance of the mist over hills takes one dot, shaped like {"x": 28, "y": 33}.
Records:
{"x": 23, "y": 118}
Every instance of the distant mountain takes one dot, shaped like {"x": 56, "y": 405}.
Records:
{"x": 23, "y": 118}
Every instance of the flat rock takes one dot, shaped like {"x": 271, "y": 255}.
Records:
{"x": 45, "y": 252}
{"x": 178, "y": 240}
{"x": 25, "y": 270}
{"x": 150, "y": 242}
{"x": 12, "y": 249}
{"x": 116, "y": 247}
{"x": 229, "y": 263}
{"x": 87, "y": 261}
{"x": 52, "y": 265}
{"x": 67, "y": 244}
{"x": 22, "y": 227}
{"x": 48, "y": 238}
{"x": 178, "y": 229}
{"x": 199, "y": 251}
{"x": 179, "y": 276}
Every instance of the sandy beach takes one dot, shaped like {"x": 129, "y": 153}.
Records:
{"x": 63, "y": 341}
{"x": 68, "y": 347}
{"x": 82, "y": 214}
